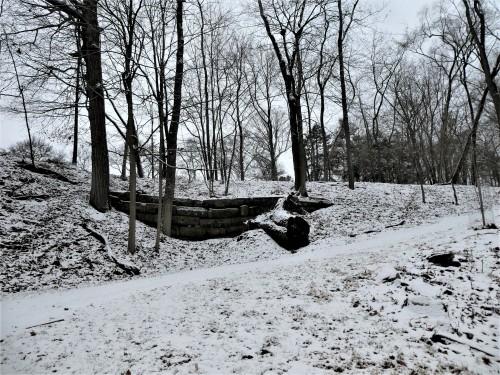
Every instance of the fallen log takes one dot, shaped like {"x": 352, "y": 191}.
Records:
{"x": 286, "y": 229}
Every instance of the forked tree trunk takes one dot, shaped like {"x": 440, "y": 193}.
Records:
{"x": 293, "y": 100}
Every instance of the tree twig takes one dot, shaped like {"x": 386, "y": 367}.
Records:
{"x": 44, "y": 324}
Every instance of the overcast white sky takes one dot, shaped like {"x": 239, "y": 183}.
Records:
{"x": 400, "y": 14}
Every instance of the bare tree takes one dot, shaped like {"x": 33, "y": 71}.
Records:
{"x": 21, "y": 95}
{"x": 479, "y": 28}
{"x": 346, "y": 19}
{"x": 85, "y": 14}
{"x": 290, "y": 20}
{"x": 269, "y": 134}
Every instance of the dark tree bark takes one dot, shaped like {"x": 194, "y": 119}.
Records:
{"x": 322, "y": 80}
{"x": 292, "y": 97}
{"x": 91, "y": 49}
{"x": 86, "y": 15}
{"x": 77, "y": 96}
{"x": 174, "y": 124}
{"x": 345, "y": 111}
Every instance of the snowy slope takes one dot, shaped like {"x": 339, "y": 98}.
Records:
{"x": 350, "y": 302}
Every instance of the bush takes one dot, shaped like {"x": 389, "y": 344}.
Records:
{"x": 42, "y": 151}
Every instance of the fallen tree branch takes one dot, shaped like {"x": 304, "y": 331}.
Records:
{"x": 29, "y": 197}
{"x": 439, "y": 337}
{"x": 127, "y": 266}
{"x": 44, "y": 324}
{"x": 395, "y": 225}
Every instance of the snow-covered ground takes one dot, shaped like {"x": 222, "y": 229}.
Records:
{"x": 351, "y": 301}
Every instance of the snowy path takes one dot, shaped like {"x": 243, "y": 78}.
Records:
{"x": 321, "y": 310}
{"x": 31, "y": 308}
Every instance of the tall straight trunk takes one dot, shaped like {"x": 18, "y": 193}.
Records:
{"x": 152, "y": 149}
{"x": 132, "y": 188}
{"x": 228, "y": 176}
{"x": 294, "y": 133}
{"x": 272, "y": 154}
{"x": 138, "y": 162}
{"x": 477, "y": 180}
{"x": 91, "y": 50}
{"x": 159, "y": 220}
{"x": 312, "y": 143}
{"x": 326, "y": 166}
{"x": 25, "y": 109}
{"x": 131, "y": 142}
{"x": 174, "y": 124}
{"x": 123, "y": 175}
{"x": 208, "y": 146}
{"x": 300, "y": 125}
{"x": 345, "y": 112}
{"x": 240, "y": 151}
{"x": 77, "y": 98}
{"x": 240, "y": 122}
{"x": 164, "y": 120}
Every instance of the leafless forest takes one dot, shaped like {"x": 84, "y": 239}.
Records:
{"x": 220, "y": 92}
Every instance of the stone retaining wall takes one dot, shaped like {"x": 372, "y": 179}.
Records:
{"x": 209, "y": 218}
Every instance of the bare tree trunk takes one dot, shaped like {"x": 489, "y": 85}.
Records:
{"x": 207, "y": 142}
{"x": 326, "y": 159}
{"x": 477, "y": 179}
{"x": 300, "y": 124}
{"x": 77, "y": 98}
{"x": 174, "y": 124}
{"x": 86, "y": 15}
{"x": 91, "y": 50}
{"x": 471, "y": 136}
{"x": 345, "y": 112}
{"x": 25, "y": 110}
{"x": 159, "y": 220}
{"x": 293, "y": 99}
{"x": 123, "y": 175}
{"x": 138, "y": 162}
{"x": 132, "y": 188}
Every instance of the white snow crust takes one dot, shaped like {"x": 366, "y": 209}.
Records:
{"x": 361, "y": 298}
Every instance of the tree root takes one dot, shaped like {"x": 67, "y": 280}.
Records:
{"x": 46, "y": 172}
{"x": 122, "y": 263}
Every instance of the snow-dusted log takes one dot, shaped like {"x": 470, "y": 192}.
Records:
{"x": 124, "y": 264}
{"x": 288, "y": 230}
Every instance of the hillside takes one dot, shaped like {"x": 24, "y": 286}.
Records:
{"x": 46, "y": 245}
{"x": 362, "y": 297}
